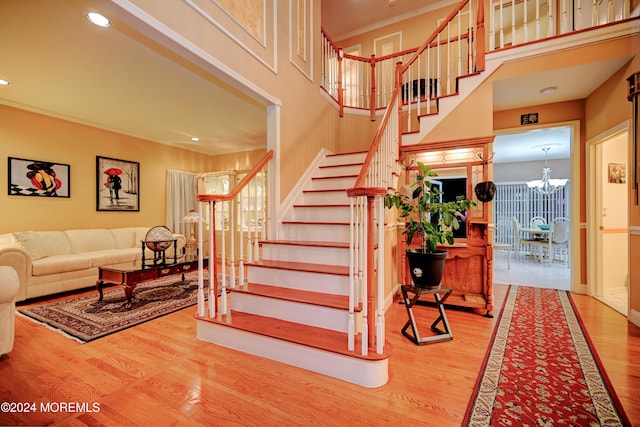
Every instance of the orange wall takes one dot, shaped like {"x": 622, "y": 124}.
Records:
{"x": 33, "y": 136}
{"x": 606, "y": 108}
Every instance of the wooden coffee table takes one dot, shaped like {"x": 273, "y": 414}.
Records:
{"x": 130, "y": 274}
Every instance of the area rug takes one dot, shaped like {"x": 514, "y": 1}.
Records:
{"x": 86, "y": 319}
{"x": 541, "y": 368}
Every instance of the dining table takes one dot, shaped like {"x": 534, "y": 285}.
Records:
{"x": 538, "y": 234}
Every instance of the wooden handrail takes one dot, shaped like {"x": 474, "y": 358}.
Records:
{"x": 243, "y": 183}
{"x": 438, "y": 30}
{"x": 362, "y": 176}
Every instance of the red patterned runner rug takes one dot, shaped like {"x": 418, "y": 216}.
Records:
{"x": 541, "y": 369}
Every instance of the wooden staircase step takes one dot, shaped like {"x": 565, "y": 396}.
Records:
{"x": 296, "y": 295}
{"x": 334, "y": 177}
{"x": 317, "y": 205}
{"x": 340, "y": 165}
{"x": 302, "y": 266}
{"x": 306, "y": 243}
{"x": 311, "y": 336}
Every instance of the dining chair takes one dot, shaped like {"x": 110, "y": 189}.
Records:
{"x": 559, "y": 245}
{"x": 520, "y": 243}
{"x": 536, "y": 221}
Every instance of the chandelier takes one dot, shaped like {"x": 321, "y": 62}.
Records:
{"x": 546, "y": 185}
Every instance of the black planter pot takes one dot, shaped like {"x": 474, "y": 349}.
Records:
{"x": 426, "y": 269}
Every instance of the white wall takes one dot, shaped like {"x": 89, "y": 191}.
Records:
{"x": 527, "y": 171}
{"x": 614, "y": 216}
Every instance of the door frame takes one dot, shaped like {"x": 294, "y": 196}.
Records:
{"x": 593, "y": 174}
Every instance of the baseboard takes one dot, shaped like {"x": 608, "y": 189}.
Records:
{"x": 287, "y": 205}
{"x": 634, "y": 317}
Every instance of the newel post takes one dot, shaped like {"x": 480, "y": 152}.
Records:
{"x": 372, "y": 99}
{"x": 340, "y": 93}
{"x": 480, "y": 38}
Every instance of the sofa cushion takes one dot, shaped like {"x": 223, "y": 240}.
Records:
{"x": 56, "y": 242}
{"x": 111, "y": 256}
{"x": 60, "y": 264}
{"x": 32, "y": 243}
{"x": 90, "y": 240}
{"x": 125, "y": 238}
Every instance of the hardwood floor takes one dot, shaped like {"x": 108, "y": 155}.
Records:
{"x": 159, "y": 374}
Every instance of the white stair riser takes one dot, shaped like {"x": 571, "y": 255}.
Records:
{"x": 292, "y": 311}
{"x": 342, "y": 159}
{"x": 326, "y": 197}
{"x": 338, "y": 170}
{"x": 362, "y": 372}
{"x": 305, "y": 280}
{"x": 333, "y": 183}
{"x": 317, "y": 232}
{"x": 324, "y": 213}
{"x": 308, "y": 254}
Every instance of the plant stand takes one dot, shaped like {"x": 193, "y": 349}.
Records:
{"x": 445, "y": 335}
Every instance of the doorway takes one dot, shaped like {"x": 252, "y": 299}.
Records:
{"x": 519, "y": 159}
{"x": 608, "y": 207}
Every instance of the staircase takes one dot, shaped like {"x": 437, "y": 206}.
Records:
{"x": 294, "y": 307}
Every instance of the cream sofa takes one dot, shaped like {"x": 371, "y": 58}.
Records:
{"x": 48, "y": 262}
{"x": 8, "y": 288}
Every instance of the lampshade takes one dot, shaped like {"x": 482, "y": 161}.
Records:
{"x": 546, "y": 185}
{"x": 192, "y": 216}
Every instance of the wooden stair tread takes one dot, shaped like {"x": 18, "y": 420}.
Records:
{"x": 325, "y": 190}
{"x": 334, "y": 205}
{"x": 302, "y": 266}
{"x": 306, "y": 243}
{"x": 311, "y": 336}
{"x": 297, "y": 295}
{"x": 292, "y": 222}
{"x": 335, "y": 176}
{"x": 341, "y": 165}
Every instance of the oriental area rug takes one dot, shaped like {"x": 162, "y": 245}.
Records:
{"x": 84, "y": 318}
{"x": 541, "y": 368}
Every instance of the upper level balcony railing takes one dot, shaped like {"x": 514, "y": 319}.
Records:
{"x": 366, "y": 84}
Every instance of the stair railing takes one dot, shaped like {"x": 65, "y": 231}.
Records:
{"x": 455, "y": 49}
{"x": 242, "y": 222}
{"x": 378, "y": 174}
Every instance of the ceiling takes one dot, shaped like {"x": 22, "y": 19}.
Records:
{"x": 115, "y": 79}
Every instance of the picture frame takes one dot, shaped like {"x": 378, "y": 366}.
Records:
{"x": 117, "y": 185}
{"x": 617, "y": 173}
{"x": 38, "y": 178}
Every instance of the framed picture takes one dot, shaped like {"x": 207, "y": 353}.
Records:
{"x": 38, "y": 178}
{"x": 117, "y": 185}
{"x": 617, "y": 173}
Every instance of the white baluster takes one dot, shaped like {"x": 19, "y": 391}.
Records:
{"x": 364, "y": 290}
{"x": 380, "y": 330}
{"x": 212, "y": 261}
{"x": 351, "y": 328}
{"x": 232, "y": 233}
{"x": 201, "y": 305}
{"x": 223, "y": 243}
{"x": 241, "y": 241}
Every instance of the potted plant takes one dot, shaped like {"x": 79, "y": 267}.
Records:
{"x": 426, "y": 215}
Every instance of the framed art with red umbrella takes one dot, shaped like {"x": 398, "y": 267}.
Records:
{"x": 117, "y": 185}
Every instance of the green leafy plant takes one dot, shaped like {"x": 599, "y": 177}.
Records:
{"x": 427, "y": 215}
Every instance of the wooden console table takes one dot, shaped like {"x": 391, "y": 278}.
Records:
{"x": 130, "y": 274}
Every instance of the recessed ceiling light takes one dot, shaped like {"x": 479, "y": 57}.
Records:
{"x": 3, "y": 82}
{"x": 195, "y": 139}
{"x": 549, "y": 90}
{"x": 98, "y": 19}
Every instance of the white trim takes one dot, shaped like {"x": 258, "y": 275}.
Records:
{"x": 273, "y": 67}
{"x": 591, "y": 187}
{"x": 634, "y": 317}
{"x": 310, "y": 56}
{"x": 287, "y": 205}
{"x": 161, "y": 33}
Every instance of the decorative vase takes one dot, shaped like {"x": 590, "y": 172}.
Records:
{"x": 426, "y": 268}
